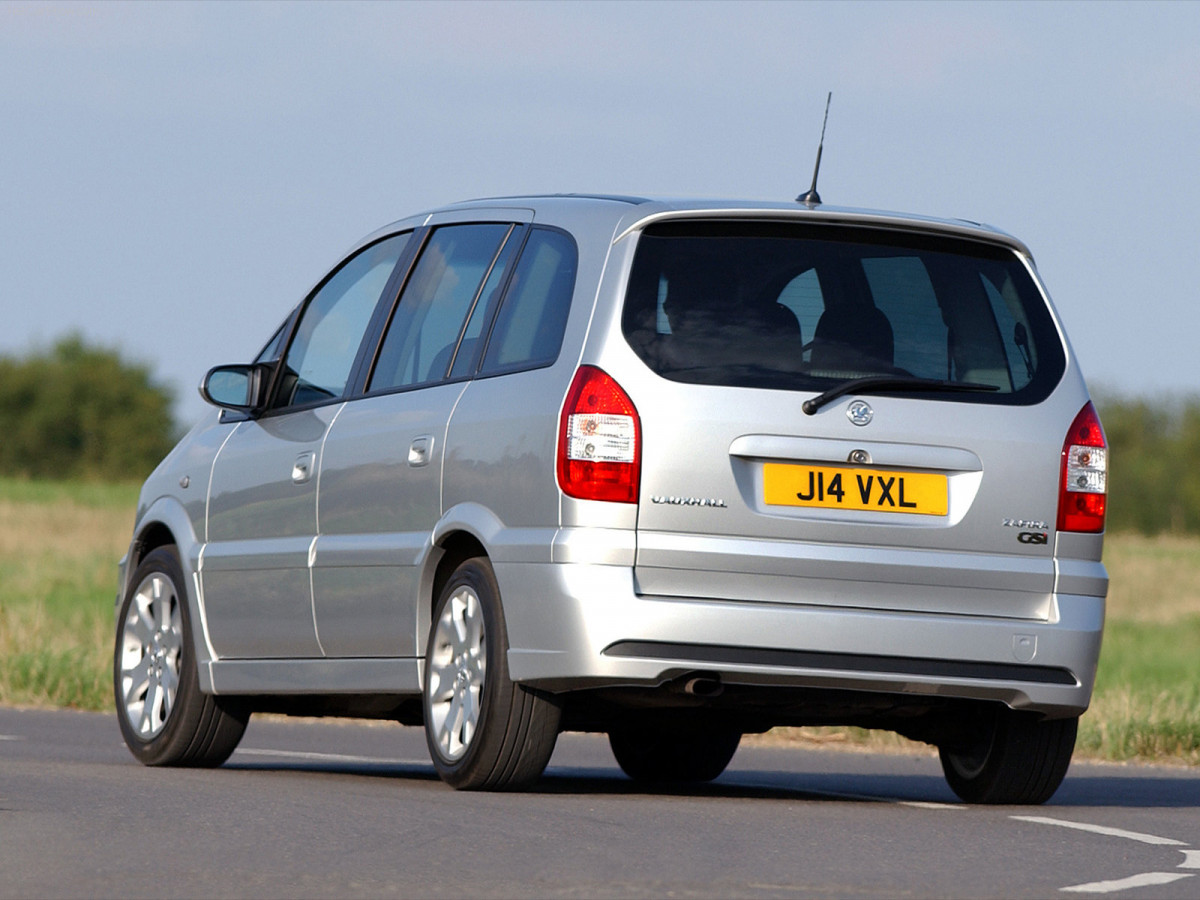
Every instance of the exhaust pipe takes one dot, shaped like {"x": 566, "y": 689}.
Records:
{"x": 704, "y": 686}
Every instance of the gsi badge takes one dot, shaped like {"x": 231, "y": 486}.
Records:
{"x": 859, "y": 412}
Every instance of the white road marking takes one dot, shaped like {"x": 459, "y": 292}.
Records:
{"x": 1147, "y": 879}
{"x": 12, "y": 737}
{"x": 331, "y": 757}
{"x": 1191, "y": 858}
{"x": 1104, "y": 829}
{"x": 925, "y": 804}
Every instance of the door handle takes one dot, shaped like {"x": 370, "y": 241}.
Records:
{"x": 302, "y": 468}
{"x": 419, "y": 450}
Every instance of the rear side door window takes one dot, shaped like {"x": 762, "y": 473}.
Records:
{"x": 456, "y": 266}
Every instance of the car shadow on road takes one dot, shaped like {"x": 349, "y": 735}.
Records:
{"x": 1084, "y": 790}
{"x": 1091, "y": 791}
{"x": 382, "y": 769}
{"x": 1140, "y": 790}
{"x": 756, "y": 784}
{"x": 610, "y": 782}
{"x": 596, "y": 782}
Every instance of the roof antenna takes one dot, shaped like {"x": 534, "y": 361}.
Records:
{"x": 812, "y": 198}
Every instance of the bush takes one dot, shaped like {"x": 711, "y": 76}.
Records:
{"x": 1154, "y": 483}
{"x": 80, "y": 411}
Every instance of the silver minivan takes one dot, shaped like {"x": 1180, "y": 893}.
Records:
{"x": 674, "y": 471}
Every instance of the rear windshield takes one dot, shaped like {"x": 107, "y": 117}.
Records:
{"x": 805, "y": 307}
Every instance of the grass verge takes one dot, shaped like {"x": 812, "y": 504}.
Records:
{"x": 1147, "y": 700}
{"x": 59, "y": 545}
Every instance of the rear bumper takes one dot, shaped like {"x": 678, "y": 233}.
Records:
{"x": 574, "y": 626}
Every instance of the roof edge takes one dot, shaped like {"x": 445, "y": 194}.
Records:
{"x": 836, "y": 216}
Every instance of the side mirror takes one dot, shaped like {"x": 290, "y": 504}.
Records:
{"x": 240, "y": 388}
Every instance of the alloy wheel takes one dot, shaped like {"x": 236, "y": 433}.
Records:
{"x": 457, "y": 669}
{"x": 150, "y": 651}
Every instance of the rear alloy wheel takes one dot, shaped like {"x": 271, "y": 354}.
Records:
{"x": 164, "y": 717}
{"x": 1016, "y": 758}
{"x": 663, "y": 754}
{"x": 484, "y": 731}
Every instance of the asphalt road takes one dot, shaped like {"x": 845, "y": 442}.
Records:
{"x": 313, "y": 809}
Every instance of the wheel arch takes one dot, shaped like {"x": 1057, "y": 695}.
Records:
{"x": 451, "y": 551}
{"x": 155, "y": 534}
{"x": 166, "y": 522}
{"x": 464, "y": 531}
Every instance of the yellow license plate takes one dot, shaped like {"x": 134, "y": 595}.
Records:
{"x": 871, "y": 490}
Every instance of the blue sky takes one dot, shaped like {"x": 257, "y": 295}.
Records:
{"x": 177, "y": 175}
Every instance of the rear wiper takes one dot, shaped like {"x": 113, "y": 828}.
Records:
{"x": 874, "y": 384}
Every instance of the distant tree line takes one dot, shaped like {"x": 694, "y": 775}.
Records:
{"x": 78, "y": 411}
{"x": 81, "y": 411}
{"x": 1154, "y": 451}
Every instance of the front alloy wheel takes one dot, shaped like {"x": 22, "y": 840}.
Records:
{"x": 673, "y": 751}
{"x": 148, "y": 655}
{"x": 165, "y": 718}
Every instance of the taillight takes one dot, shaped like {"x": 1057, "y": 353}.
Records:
{"x": 599, "y": 440}
{"x": 1083, "y": 488}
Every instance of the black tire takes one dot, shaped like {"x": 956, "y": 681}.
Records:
{"x": 1016, "y": 758}
{"x": 662, "y": 754}
{"x": 164, "y": 717}
{"x": 484, "y": 731}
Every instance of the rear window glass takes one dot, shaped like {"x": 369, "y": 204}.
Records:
{"x": 804, "y": 307}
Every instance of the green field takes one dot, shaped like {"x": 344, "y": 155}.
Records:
{"x": 1147, "y": 699}
{"x": 59, "y": 545}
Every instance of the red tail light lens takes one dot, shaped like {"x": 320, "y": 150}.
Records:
{"x": 599, "y": 440}
{"x": 1083, "y": 488}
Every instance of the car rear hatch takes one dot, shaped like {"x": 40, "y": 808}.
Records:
{"x": 925, "y": 476}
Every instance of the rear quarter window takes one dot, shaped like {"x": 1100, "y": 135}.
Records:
{"x": 528, "y": 329}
